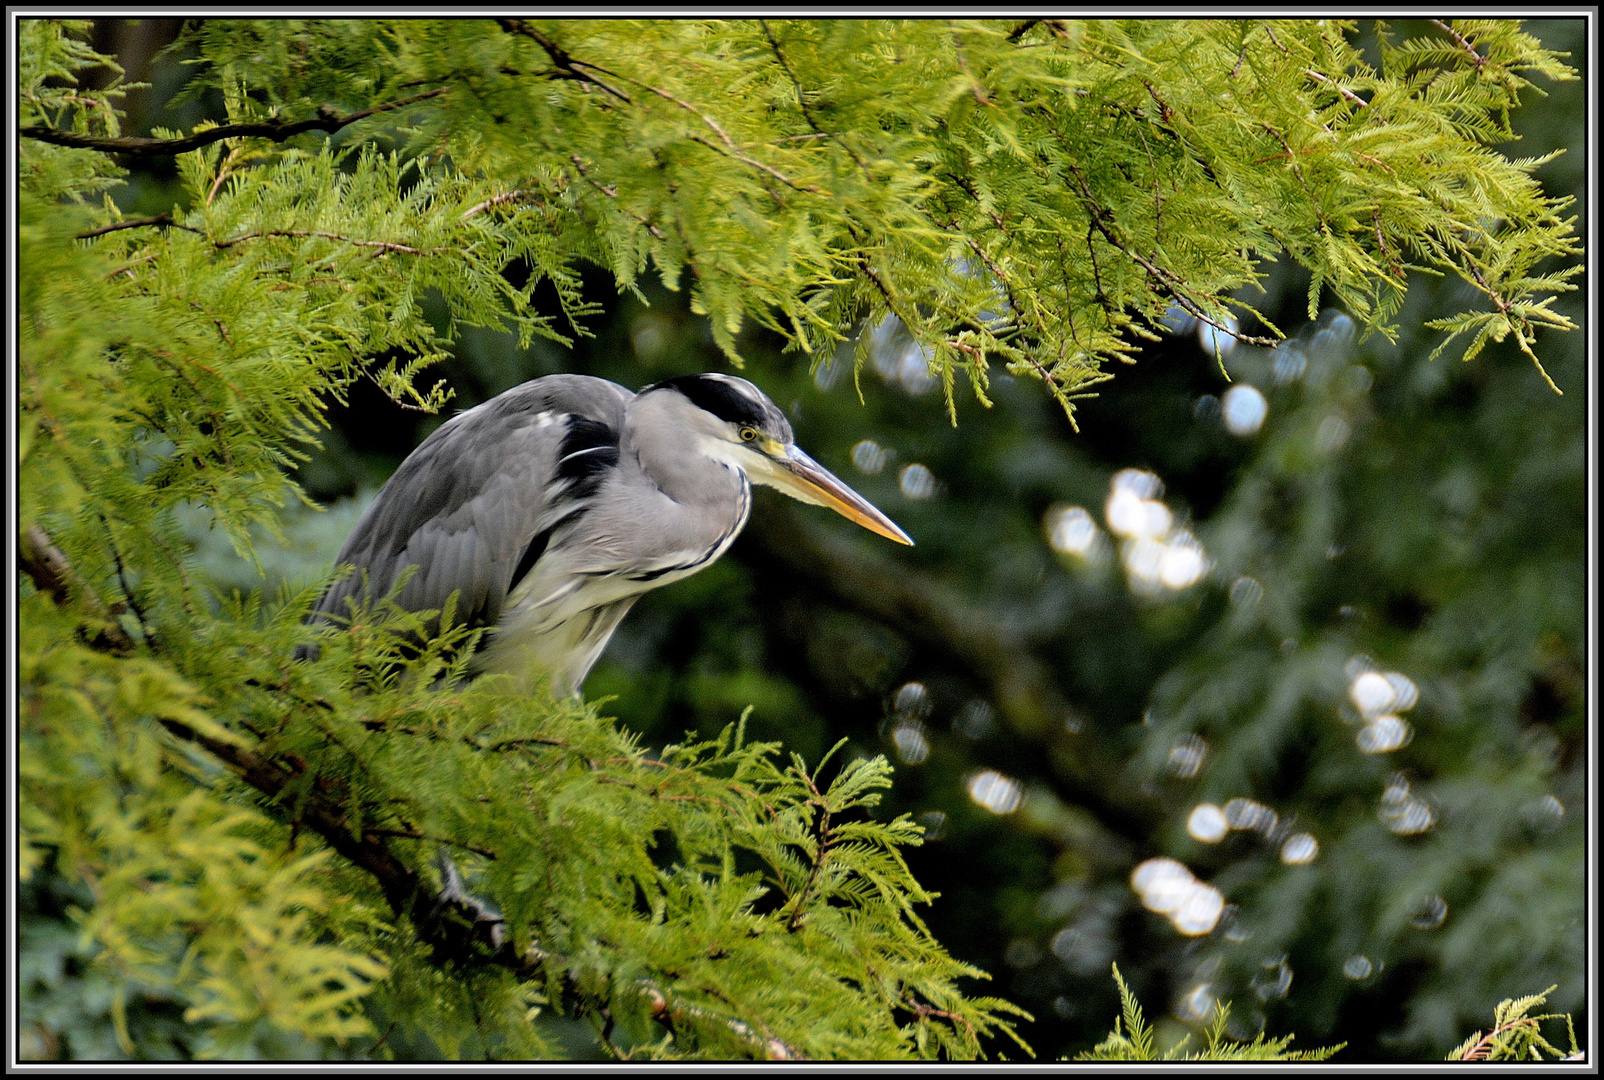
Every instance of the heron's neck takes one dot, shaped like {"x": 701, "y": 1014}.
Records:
{"x": 661, "y": 437}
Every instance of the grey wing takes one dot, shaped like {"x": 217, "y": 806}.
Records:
{"x": 472, "y": 507}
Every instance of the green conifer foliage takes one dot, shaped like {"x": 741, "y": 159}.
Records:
{"x": 254, "y": 839}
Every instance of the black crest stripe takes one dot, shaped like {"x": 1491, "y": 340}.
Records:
{"x": 723, "y": 399}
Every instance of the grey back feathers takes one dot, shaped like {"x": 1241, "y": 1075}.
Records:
{"x": 550, "y": 509}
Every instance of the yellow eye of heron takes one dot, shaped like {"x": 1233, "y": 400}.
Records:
{"x": 748, "y": 434}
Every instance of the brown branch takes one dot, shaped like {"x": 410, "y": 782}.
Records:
{"x": 1464, "y": 43}
{"x": 414, "y": 834}
{"x": 826, "y": 840}
{"x": 671, "y": 1011}
{"x": 922, "y": 1011}
{"x": 1171, "y": 281}
{"x": 1055, "y": 27}
{"x": 382, "y": 245}
{"x": 1338, "y": 87}
{"x": 1485, "y": 1044}
{"x": 162, "y": 220}
{"x": 54, "y": 576}
{"x": 567, "y": 66}
{"x": 730, "y": 147}
{"x": 963, "y": 65}
{"x": 612, "y": 193}
{"x": 1022, "y": 29}
{"x": 496, "y": 200}
{"x": 1381, "y": 240}
{"x": 327, "y": 120}
{"x": 731, "y": 150}
{"x": 802, "y": 102}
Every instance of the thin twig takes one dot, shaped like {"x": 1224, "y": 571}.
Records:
{"x": 826, "y": 840}
{"x": 122, "y": 580}
{"x": 1171, "y": 281}
{"x": 54, "y": 576}
{"x": 382, "y": 245}
{"x": 1055, "y": 27}
{"x": 730, "y": 147}
{"x": 802, "y": 101}
{"x": 497, "y": 200}
{"x": 161, "y": 220}
{"x": 1338, "y": 87}
{"x": 567, "y": 66}
{"x": 1464, "y": 43}
{"x": 414, "y": 834}
{"x": 387, "y": 1032}
{"x": 327, "y": 120}
{"x": 612, "y": 193}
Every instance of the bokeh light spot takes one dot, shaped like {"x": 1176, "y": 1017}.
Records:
{"x": 975, "y": 720}
{"x": 1402, "y": 812}
{"x": 1385, "y": 734}
{"x": 912, "y": 700}
{"x": 1197, "y": 1004}
{"x": 916, "y": 481}
{"x": 1186, "y": 756}
{"x": 1184, "y": 563}
{"x": 934, "y": 823}
{"x": 1248, "y": 815}
{"x": 998, "y": 793}
{"x": 1290, "y": 363}
{"x": 1071, "y": 530}
{"x": 1273, "y": 980}
{"x": 1168, "y": 887}
{"x": 1332, "y": 435}
{"x": 1207, "y": 823}
{"x": 1299, "y": 849}
{"x": 870, "y": 457}
{"x": 912, "y": 745}
{"x": 1245, "y": 592}
{"x": 1429, "y": 914}
{"x": 1244, "y": 408}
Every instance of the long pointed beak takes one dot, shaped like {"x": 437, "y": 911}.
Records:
{"x": 800, "y": 477}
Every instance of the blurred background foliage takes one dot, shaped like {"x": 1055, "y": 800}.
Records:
{"x": 1315, "y": 633}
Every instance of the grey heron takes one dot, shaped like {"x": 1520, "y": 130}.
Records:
{"x": 551, "y": 508}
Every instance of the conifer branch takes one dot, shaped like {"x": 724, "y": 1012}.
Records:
{"x": 571, "y": 66}
{"x": 1171, "y": 283}
{"x": 567, "y": 66}
{"x": 1338, "y": 87}
{"x": 54, "y": 576}
{"x": 382, "y": 245}
{"x": 1464, "y": 43}
{"x": 612, "y": 193}
{"x": 496, "y": 200}
{"x": 161, "y": 220}
{"x": 802, "y": 101}
{"x": 1054, "y": 26}
{"x": 824, "y": 839}
{"x": 327, "y": 120}
{"x": 470, "y": 937}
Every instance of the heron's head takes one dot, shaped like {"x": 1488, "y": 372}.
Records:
{"x": 737, "y": 424}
